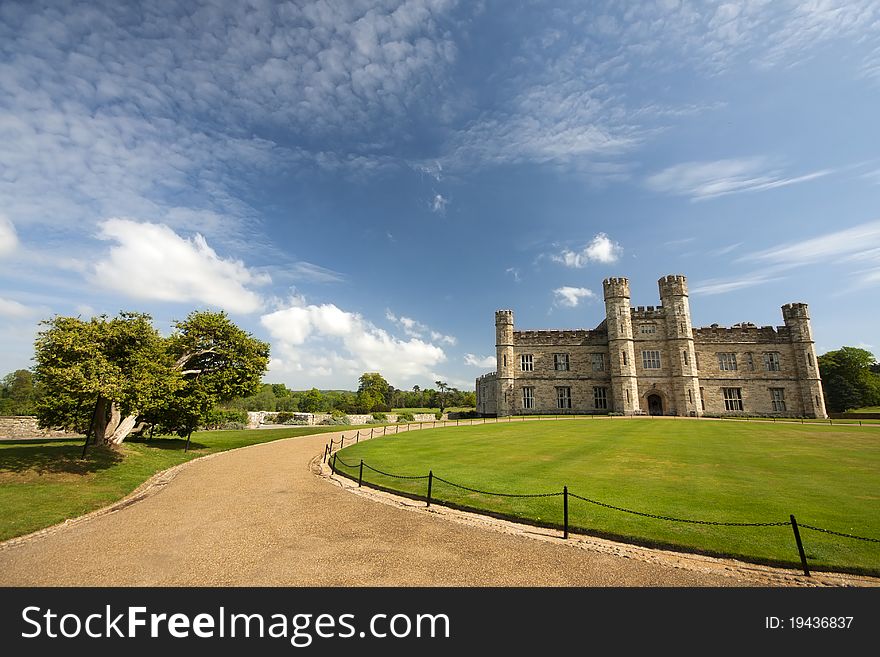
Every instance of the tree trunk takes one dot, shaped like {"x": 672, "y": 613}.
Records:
{"x": 109, "y": 426}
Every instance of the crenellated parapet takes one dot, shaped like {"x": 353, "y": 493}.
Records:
{"x": 648, "y": 312}
{"x": 742, "y": 333}
{"x": 560, "y": 338}
{"x": 616, "y": 287}
{"x": 672, "y": 286}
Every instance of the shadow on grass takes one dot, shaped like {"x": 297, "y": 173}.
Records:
{"x": 167, "y": 443}
{"x": 57, "y": 459}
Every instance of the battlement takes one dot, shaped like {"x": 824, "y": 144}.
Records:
{"x": 673, "y": 285}
{"x": 503, "y": 317}
{"x": 743, "y": 332}
{"x": 616, "y": 288}
{"x": 487, "y": 377}
{"x": 566, "y": 337}
{"x": 648, "y": 312}
{"x": 795, "y": 312}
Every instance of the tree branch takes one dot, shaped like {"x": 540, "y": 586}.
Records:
{"x": 183, "y": 360}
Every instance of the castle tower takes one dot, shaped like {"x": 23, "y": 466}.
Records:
{"x": 504, "y": 356}
{"x": 680, "y": 344}
{"x": 621, "y": 350}
{"x": 797, "y": 319}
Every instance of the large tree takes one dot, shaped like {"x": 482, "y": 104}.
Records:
{"x": 374, "y": 392}
{"x": 848, "y": 379}
{"x": 104, "y": 374}
{"x": 18, "y": 394}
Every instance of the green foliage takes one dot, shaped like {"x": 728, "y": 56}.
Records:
{"x": 123, "y": 359}
{"x": 373, "y": 392}
{"x": 217, "y": 418}
{"x": 312, "y": 401}
{"x": 380, "y": 416}
{"x": 89, "y": 368}
{"x": 849, "y": 379}
{"x": 18, "y": 394}
{"x": 405, "y": 416}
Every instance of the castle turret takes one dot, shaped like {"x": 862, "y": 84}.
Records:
{"x": 797, "y": 319}
{"x": 680, "y": 341}
{"x": 504, "y": 358}
{"x": 621, "y": 350}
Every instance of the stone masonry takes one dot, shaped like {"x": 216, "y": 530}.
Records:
{"x": 650, "y": 360}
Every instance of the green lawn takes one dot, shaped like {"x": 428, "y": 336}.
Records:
{"x": 827, "y": 476}
{"x": 45, "y": 482}
{"x": 868, "y": 409}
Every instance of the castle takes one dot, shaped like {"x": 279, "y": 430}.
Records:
{"x": 650, "y": 360}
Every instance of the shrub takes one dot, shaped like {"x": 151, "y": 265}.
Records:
{"x": 406, "y": 416}
{"x": 237, "y": 426}
{"x": 337, "y": 417}
{"x": 283, "y": 417}
{"x": 438, "y": 415}
{"x": 380, "y": 416}
{"x": 218, "y": 417}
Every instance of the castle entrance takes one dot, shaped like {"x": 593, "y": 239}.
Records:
{"x": 655, "y": 405}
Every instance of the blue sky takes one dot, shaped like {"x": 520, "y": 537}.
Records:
{"x": 363, "y": 183}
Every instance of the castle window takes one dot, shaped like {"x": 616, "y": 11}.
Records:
{"x": 733, "y": 399}
{"x": 750, "y": 361}
{"x": 690, "y": 396}
{"x": 563, "y": 397}
{"x": 777, "y": 396}
{"x": 525, "y": 363}
{"x": 528, "y": 397}
{"x": 684, "y": 357}
{"x": 648, "y": 328}
{"x": 651, "y": 360}
{"x": 598, "y": 362}
{"x": 809, "y": 359}
{"x": 702, "y": 398}
{"x": 771, "y": 361}
{"x": 623, "y": 357}
{"x": 505, "y": 360}
{"x": 697, "y": 359}
{"x": 600, "y": 398}
{"x": 560, "y": 362}
{"x": 726, "y": 361}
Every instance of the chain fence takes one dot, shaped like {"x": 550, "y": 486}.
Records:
{"x": 335, "y": 461}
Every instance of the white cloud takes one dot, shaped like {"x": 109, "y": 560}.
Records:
{"x": 8, "y": 237}
{"x": 324, "y": 340}
{"x": 855, "y": 242}
{"x": 601, "y": 249}
{"x": 514, "y": 271}
{"x": 570, "y": 297}
{"x": 479, "y": 361}
{"x": 705, "y": 180}
{"x": 723, "y": 285}
{"x": 416, "y": 329}
{"x": 439, "y": 203}
{"x": 15, "y": 310}
{"x": 151, "y": 261}
{"x": 308, "y": 271}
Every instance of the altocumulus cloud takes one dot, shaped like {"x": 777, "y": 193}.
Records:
{"x": 570, "y": 297}
{"x": 151, "y": 261}
{"x": 324, "y": 340}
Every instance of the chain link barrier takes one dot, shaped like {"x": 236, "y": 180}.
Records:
{"x": 486, "y": 492}
{"x": 670, "y": 518}
{"x": 388, "y": 474}
{"x": 828, "y": 531}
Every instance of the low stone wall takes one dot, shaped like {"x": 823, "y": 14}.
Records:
{"x": 256, "y": 418}
{"x": 18, "y": 427}
{"x": 854, "y": 416}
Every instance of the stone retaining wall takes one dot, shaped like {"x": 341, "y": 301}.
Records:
{"x": 18, "y": 427}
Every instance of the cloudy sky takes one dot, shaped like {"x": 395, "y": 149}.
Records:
{"x": 363, "y": 183}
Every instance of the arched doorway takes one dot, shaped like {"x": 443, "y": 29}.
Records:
{"x": 655, "y": 405}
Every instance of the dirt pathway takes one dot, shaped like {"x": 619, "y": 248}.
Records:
{"x": 261, "y": 516}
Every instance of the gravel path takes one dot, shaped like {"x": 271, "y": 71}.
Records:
{"x": 262, "y": 516}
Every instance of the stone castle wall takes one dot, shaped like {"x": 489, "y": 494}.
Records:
{"x": 19, "y": 427}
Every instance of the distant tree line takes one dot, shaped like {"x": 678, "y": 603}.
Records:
{"x": 19, "y": 395}
{"x": 374, "y": 394}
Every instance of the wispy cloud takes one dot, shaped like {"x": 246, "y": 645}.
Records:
{"x": 416, "y": 329}
{"x": 714, "y": 286}
{"x": 514, "y": 272}
{"x": 570, "y": 297}
{"x": 8, "y": 236}
{"x": 706, "y": 180}
{"x": 439, "y": 203}
{"x": 308, "y": 271}
{"x": 479, "y": 361}
{"x": 11, "y": 309}
{"x": 601, "y": 249}
{"x": 830, "y": 247}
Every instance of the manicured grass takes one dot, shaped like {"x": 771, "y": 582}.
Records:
{"x": 868, "y": 409}
{"x": 44, "y": 482}
{"x": 827, "y": 476}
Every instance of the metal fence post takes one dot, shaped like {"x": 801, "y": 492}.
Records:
{"x": 342, "y": 442}
{"x": 333, "y": 465}
{"x": 565, "y": 511}
{"x": 800, "y": 546}
{"x": 326, "y": 449}
{"x": 430, "y": 482}
{"x": 357, "y": 438}
{"x": 361, "y": 474}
